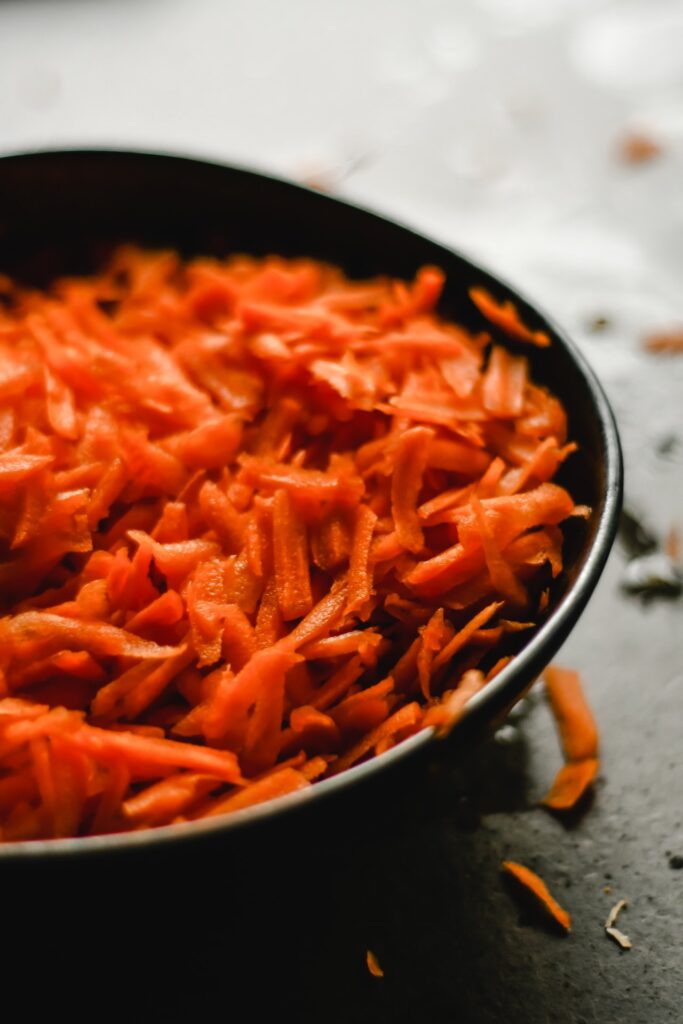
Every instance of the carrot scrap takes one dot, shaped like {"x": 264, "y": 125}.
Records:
{"x": 360, "y": 578}
{"x": 537, "y": 887}
{"x": 444, "y": 715}
{"x": 290, "y": 550}
{"x": 505, "y": 316}
{"x": 638, "y": 148}
{"x": 373, "y": 965}
{"x": 410, "y": 464}
{"x": 665, "y": 342}
{"x": 575, "y": 723}
{"x": 570, "y": 784}
{"x": 258, "y": 523}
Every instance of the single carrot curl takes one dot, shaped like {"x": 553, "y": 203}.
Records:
{"x": 537, "y": 887}
{"x": 258, "y": 523}
{"x": 578, "y": 734}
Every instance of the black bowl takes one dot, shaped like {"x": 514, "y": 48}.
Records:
{"x": 61, "y": 212}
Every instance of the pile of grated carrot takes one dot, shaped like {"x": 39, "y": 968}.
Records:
{"x": 259, "y": 522}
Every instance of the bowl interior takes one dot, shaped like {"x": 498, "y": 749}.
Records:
{"x": 62, "y": 212}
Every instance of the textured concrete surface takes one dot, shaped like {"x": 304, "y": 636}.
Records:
{"x": 494, "y": 125}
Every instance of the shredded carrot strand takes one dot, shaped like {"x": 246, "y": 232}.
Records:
{"x": 570, "y": 784}
{"x": 537, "y": 887}
{"x": 575, "y": 723}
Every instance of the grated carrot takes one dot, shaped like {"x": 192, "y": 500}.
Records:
{"x": 258, "y": 523}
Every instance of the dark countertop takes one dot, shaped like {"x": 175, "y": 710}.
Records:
{"x": 493, "y": 126}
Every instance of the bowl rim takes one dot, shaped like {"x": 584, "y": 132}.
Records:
{"x": 499, "y": 694}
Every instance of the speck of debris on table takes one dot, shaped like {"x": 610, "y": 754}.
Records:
{"x": 676, "y": 862}
{"x": 651, "y": 576}
{"x": 622, "y": 940}
{"x": 667, "y": 444}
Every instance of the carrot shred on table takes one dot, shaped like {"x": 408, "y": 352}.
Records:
{"x": 665, "y": 342}
{"x": 259, "y": 522}
{"x": 373, "y": 965}
{"x": 571, "y": 782}
{"x": 537, "y": 887}
{"x": 575, "y": 723}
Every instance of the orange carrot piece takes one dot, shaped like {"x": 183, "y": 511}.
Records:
{"x": 334, "y": 688}
{"x": 106, "y": 491}
{"x": 163, "y": 801}
{"x": 165, "y": 610}
{"x": 305, "y": 484}
{"x": 18, "y": 465}
{"x": 221, "y": 516}
{"x": 360, "y": 577}
{"x": 173, "y": 523}
{"x": 141, "y": 751}
{"x": 502, "y": 575}
{"x": 239, "y": 637}
{"x": 290, "y": 553}
{"x": 280, "y": 783}
{"x": 242, "y": 586}
{"x": 314, "y": 768}
{"x": 570, "y": 784}
{"x": 458, "y": 641}
{"x": 575, "y": 723}
{"x": 434, "y": 635}
{"x": 109, "y": 806}
{"x": 205, "y": 598}
{"x": 505, "y": 316}
{"x": 313, "y": 729}
{"x": 537, "y": 887}
{"x": 331, "y": 542}
{"x": 227, "y": 712}
{"x": 47, "y": 633}
{"x": 665, "y": 342}
{"x": 504, "y": 383}
{"x": 16, "y": 788}
{"x": 411, "y": 459}
{"x": 373, "y": 965}
{"x": 444, "y": 715}
{"x": 211, "y": 445}
{"x": 406, "y": 717}
{"x": 365, "y": 641}
{"x": 269, "y": 621}
{"x": 176, "y": 560}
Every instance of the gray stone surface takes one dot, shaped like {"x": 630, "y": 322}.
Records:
{"x": 493, "y": 125}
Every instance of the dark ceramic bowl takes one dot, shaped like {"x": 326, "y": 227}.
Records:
{"x": 60, "y": 212}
